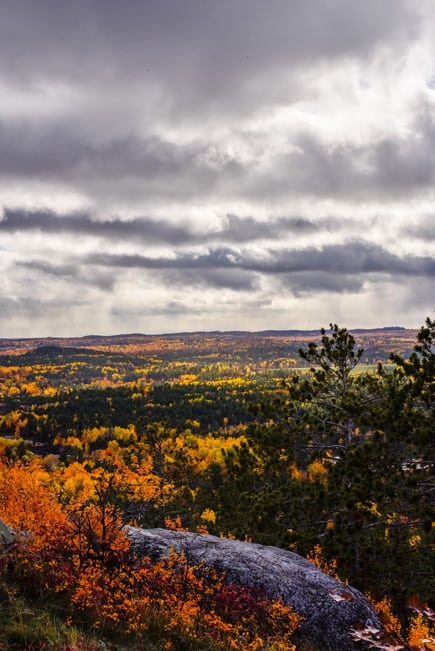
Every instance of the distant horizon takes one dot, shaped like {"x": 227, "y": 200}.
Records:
{"x": 267, "y": 331}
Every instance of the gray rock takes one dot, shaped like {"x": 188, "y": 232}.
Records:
{"x": 7, "y": 536}
{"x": 282, "y": 574}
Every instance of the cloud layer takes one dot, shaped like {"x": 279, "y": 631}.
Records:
{"x": 199, "y": 165}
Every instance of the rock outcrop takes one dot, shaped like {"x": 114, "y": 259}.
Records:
{"x": 330, "y": 608}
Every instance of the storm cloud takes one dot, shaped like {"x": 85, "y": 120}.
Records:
{"x": 215, "y": 165}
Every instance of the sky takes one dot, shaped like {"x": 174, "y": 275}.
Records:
{"x": 187, "y": 165}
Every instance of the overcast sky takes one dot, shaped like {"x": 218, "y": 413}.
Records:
{"x": 182, "y": 165}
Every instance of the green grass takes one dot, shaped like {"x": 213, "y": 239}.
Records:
{"x": 28, "y": 626}
{"x": 38, "y": 624}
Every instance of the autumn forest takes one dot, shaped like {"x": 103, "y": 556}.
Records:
{"x": 315, "y": 442}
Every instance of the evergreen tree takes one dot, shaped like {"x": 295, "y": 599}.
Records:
{"x": 371, "y": 507}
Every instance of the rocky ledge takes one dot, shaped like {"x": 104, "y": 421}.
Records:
{"x": 330, "y": 608}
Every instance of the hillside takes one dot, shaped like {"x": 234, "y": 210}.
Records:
{"x": 242, "y": 347}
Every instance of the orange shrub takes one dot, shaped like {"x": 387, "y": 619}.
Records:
{"x": 81, "y": 551}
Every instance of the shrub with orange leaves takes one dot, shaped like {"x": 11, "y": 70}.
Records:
{"x": 175, "y": 524}
{"x": 187, "y": 602}
{"x": 421, "y": 634}
{"x": 80, "y": 549}
{"x": 315, "y": 556}
{"x": 422, "y": 627}
{"x": 28, "y": 505}
{"x": 390, "y": 621}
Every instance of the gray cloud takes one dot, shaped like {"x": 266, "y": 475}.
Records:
{"x": 46, "y": 221}
{"x": 33, "y": 149}
{"x": 145, "y": 168}
{"x": 349, "y": 258}
{"x": 421, "y": 229}
{"x": 58, "y": 271}
{"x": 199, "y": 46}
{"x": 233, "y": 228}
{"x": 72, "y": 272}
{"x": 248, "y": 229}
{"x": 234, "y": 279}
{"x": 199, "y": 162}
{"x": 409, "y": 162}
{"x": 170, "y": 63}
{"x": 217, "y": 258}
{"x": 186, "y": 307}
{"x": 29, "y": 307}
{"x": 309, "y": 282}
{"x": 168, "y": 308}
{"x": 156, "y": 165}
{"x": 389, "y": 167}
